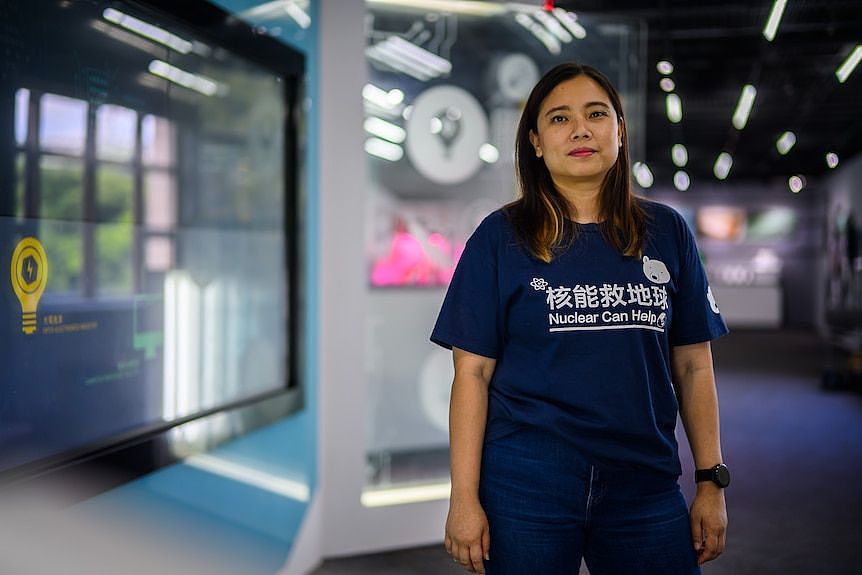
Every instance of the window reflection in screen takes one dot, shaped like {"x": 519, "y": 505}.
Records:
{"x": 156, "y": 186}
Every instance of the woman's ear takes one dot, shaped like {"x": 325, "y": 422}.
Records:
{"x": 534, "y": 139}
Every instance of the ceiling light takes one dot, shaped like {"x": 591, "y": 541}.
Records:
{"x": 664, "y": 67}
{"x": 667, "y": 84}
{"x": 386, "y": 130}
{"x": 570, "y": 21}
{"x": 298, "y": 15}
{"x": 774, "y": 19}
{"x": 467, "y": 8}
{"x": 743, "y": 107}
{"x": 406, "y": 57}
{"x": 550, "y": 42}
{"x": 552, "y": 25}
{"x": 785, "y": 142}
{"x": 643, "y": 174}
{"x": 722, "y": 165}
{"x": 796, "y": 183}
{"x": 673, "y": 106}
{"x": 489, "y": 153}
{"x": 679, "y": 155}
{"x": 147, "y": 30}
{"x": 383, "y": 149}
{"x": 832, "y": 160}
{"x": 200, "y": 84}
{"x": 381, "y": 97}
{"x": 681, "y": 181}
{"x": 419, "y": 55}
{"x": 847, "y": 67}
{"x": 408, "y": 494}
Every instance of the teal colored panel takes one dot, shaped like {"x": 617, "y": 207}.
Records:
{"x": 249, "y": 497}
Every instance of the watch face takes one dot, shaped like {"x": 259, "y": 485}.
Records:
{"x": 721, "y": 475}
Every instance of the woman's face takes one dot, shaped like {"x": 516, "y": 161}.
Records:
{"x": 579, "y": 133}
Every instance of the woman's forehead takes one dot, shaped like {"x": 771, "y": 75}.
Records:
{"x": 576, "y": 92}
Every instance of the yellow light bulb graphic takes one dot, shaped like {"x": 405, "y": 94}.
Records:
{"x": 29, "y": 277}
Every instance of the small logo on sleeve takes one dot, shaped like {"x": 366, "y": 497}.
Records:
{"x": 711, "y": 298}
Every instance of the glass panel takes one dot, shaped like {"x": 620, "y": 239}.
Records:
{"x": 60, "y": 226}
{"x": 440, "y": 129}
{"x": 157, "y": 141}
{"x": 115, "y": 231}
{"x": 63, "y": 125}
{"x": 22, "y": 107}
{"x": 115, "y": 133}
{"x": 158, "y": 253}
{"x": 20, "y": 184}
{"x": 209, "y": 326}
{"x": 160, "y": 200}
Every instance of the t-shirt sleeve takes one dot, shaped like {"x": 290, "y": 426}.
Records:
{"x": 469, "y": 317}
{"x": 696, "y": 316}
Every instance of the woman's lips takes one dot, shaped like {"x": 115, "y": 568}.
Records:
{"x": 582, "y": 152}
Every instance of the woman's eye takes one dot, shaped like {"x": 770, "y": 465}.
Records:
{"x": 598, "y": 113}
{"x": 558, "y": 119}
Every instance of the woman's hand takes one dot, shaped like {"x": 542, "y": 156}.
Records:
{"x": 467, "y": 536}
{"x": 708, "y": 522}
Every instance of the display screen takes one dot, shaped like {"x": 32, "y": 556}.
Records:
{"x": 146, "y": 189}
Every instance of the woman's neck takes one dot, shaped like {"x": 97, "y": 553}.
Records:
{"x": 583, "y": 201}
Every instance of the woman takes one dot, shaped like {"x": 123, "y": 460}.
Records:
{"x": 580, "y": 319}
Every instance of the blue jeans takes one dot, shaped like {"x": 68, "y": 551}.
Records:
{"x": 548, "y": 508}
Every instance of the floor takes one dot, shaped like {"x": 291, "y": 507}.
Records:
{"x": 796, "y": 455}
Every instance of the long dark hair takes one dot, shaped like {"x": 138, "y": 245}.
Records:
{"x": 539, "y": 216}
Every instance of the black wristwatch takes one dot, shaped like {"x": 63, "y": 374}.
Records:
{"x": 718, "y": 474}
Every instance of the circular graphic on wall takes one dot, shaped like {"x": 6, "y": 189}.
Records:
{"x": 435, "y": 384}
{"x": 514, "y": 76}
{"x": 446, "y": 128}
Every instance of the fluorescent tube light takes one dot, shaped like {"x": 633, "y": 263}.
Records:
{"x": 465, "y": 7}
{"x": 551, "y": 43}
{"x": 383, "y": 149}
{"x": 785, "y": 142}
{"x": 774, "y": 19}
{"x": 185, "y": 79}
{"x": 570, "y": 21}
{"x": 643, "y": 175}
{"x": 673, "y": 107}
{"x": 681, "y": 181}
{"x": 847, "y": 67}
{"x": 420, "y": 55}
{"x": 796, "y": 184}
{"x": 386, "y": 130}
{"x": 722, "y": 165}
{"x": 147, "y": 30}
{"x": 381, "y": 97}
{"x": 489, "y": 153}
{"x": 407, "y": 494}
{"x": 552, "y": 25}
{"x": 743, "y": 107}
{"x": 679, "y": 155}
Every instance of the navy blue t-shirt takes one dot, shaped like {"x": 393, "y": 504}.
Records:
{"x": 582, "y": 344}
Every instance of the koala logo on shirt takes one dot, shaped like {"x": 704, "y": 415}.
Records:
{"x": 656, "y": 271}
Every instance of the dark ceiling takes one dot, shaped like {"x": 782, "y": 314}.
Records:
{"x": 716, "y": 48}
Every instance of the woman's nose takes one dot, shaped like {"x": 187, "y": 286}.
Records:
{"x": 579, "y": 130}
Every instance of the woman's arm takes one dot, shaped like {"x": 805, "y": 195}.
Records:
{"x": 698, "y": 403}
{"x": 467, "y": 536}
